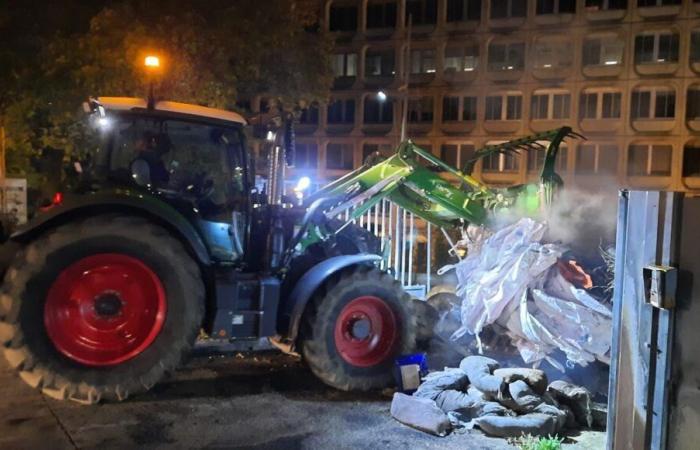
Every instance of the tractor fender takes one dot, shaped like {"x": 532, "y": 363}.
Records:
{"x": 90, "y": 205}
{"x": 312, "y": 280}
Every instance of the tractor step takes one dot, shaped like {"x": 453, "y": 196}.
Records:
{"x": 246, "y": 306}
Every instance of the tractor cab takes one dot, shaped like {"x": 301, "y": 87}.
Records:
{"x": 191, "y": 157}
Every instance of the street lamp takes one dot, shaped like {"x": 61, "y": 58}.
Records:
{"x": 381, "y": 96}
{"x": 152, "y": 65}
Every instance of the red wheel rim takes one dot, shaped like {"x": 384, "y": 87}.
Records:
{"x": 105, "y": 309}
{"x": 366, "y": 331}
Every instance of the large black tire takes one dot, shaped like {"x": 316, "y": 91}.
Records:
{"x": 27, "y": 345}
{"x": 318, "y": 339}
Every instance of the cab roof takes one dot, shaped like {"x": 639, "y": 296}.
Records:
{"x": 135, "y": 103}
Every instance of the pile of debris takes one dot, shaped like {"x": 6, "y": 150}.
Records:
{"x": 505, "y": 402}
{"x": 535, "y": 293}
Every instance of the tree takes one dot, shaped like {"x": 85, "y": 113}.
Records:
{"x": 213, "y": 52}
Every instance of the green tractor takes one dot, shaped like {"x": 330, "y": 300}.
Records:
{"x": 164, "y": 233}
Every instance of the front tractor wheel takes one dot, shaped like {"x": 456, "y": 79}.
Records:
{"x": 101, "y": 308}
{"x": 356, "y": 327}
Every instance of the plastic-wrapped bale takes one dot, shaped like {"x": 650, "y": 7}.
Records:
{"x": 535, "y": 378}
{"x": 522, "y": 398}
{"x": 420, "y": 413}
{"x": 575, "y": 397}
{"x": 479, "y": 369}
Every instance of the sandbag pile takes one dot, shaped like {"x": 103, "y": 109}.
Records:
{"x": 505, "y": 402}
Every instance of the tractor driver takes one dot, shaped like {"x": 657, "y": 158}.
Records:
{"x": 149, "y": 150}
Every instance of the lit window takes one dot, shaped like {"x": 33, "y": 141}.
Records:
{"x": 553, "y": 54}
{"x": 343, "y": 18}
{"x": 344, "y": 65}
{"x": 556, "y": 7}
{"x": 452, "y": 105}
{"x": 603, "y": 51}
{"x": 379, "y": 63}
{"x": 339, "y": 156}
{"x": 504, "y": 107}
{"x": 599, "y": 104}
{"x": 596, "y": 159}
{"x": 461, "y": 59}
{"x": 381, "y": 14}
{"x": 691, "y": 159}
{"x": 457, "y": 155}
{"x": 423, "y": 61}
{"x": 463, "y": 10}
{"x": 377, "y": 111}
{"x": 652, "y": 48}
{"x": 505, "y": 57}
{"x": 550, "y": 105}
{"x": 651, "y": 103}
{"x": 341, "y": 112}
{"x": 649, "y": 160}
{"x": 504, "y": 9}
{"x": 305, "y": 155}
{"x": 693, "y": 103}
{"x": 422, "y": 12}
{"x": 420, "y": 110}
{"x": 604, "y": 5}
{"x": 535, "y": 158}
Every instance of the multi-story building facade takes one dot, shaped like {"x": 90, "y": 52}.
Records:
{"x": 624, "y": 73}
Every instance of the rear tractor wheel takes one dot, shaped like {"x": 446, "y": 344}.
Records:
{"x": 100, "y": 309}
{"x": 356, "y": 327}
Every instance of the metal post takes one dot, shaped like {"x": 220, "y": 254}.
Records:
{"x": 410, "y": 251}
{"x": 407, "y": 75}
{"x": 428, "y": 251}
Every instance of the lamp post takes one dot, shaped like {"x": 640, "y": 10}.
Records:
{"x": 152, "y": 65}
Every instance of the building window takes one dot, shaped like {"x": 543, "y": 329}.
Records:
{"x": 549, "y": 105}
{"x": 535, "y": 158}
{"x": 649, "y": 160}
{"x": 422, "y": 12}
{"x": 384, "y": 150}
{"x": 343, "y": 18}
{"x": 553, "y": 54}
{"x": 452, "y": 105}
{"x": 503, "y": 162}
{"x": 642, "y": 3}
{"x": 423, "y": 61}
{"x": 605, "y": 5}
{"x": 420, "y": 110}
{"x": 596, "y": 159}
{"x": 556, "y": 7}
{"x": 461, "y": 59}
{"x": 600, "y": 105}
{"x": 457, "y": 155}
{"x": 305, "y": 156}
{"x": 653, "y": 104}
{"x": 344, "y": 65}
{"x": 505, "y": 57}
{"x": 656, "y": 48}
{"x": 341, "y": 112}
{"x": 691, "y": 160}
{"x": 603, "y": 51}
{"x": 339, "y": 156}
{"x": 508, "y": 107}
{"x": 381, "y": 14}
{"x": 377, "y": 111}
{"x": 463, "y": 10}
{"x": 692, "y": 110}
{"x": 695, "y": 47}
{"x": 379, "y": 63}
{"x": 506, "y": 9}
{"x": 309, "y": 116}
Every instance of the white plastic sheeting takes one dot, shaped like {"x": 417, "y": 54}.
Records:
{"x": 510, "y": 278}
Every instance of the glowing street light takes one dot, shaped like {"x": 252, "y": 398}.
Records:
{"x": 381, "y": 96}
{"x": 151, "y": 62}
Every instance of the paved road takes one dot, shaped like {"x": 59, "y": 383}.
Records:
{"x": 263, "y": 401}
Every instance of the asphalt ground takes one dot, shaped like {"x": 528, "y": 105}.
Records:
{"x": 238, "y": 401}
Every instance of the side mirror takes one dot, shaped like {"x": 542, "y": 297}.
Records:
{"x": 141, "y": 172}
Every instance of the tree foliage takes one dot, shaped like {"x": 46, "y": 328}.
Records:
{"x": 213, "y": 52}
